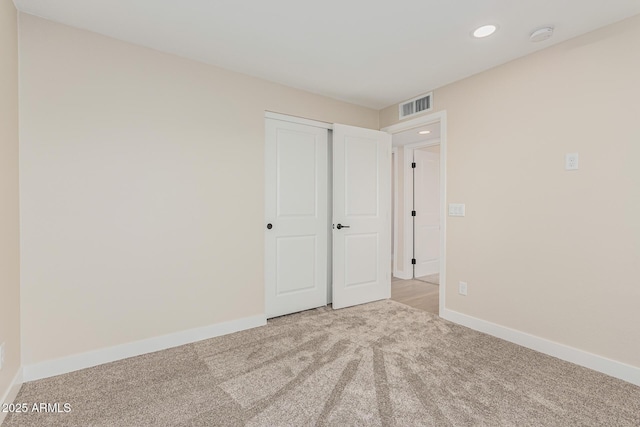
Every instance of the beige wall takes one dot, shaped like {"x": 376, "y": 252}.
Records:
{"x": 9, "y": 222}
{"x": 142, "y": 189}
{"x": 546, "y": 251}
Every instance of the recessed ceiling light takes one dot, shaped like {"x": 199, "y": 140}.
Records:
{"x": 484, "y": 31}
{"x": 424, "y": 132}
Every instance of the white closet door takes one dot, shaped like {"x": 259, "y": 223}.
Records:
{"x": 427, "y": 206}
{"x": 296, "y": 183}
{"x": 361, "y": 215}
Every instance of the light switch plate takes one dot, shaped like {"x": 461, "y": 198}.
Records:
{"x": 456, "y": 209}
{"x": 571, "y": 161}
{"x": 462, "y": 288}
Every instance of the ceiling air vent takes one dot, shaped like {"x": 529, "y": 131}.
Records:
{"x": 416, "y": 105}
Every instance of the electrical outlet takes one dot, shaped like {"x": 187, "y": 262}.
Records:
{"x": 571, "y": 161}
{"x": 1, "y": 355}
{"x": 462, "y": 288}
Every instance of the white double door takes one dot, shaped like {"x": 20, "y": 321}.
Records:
{"x": 328, "y": 224}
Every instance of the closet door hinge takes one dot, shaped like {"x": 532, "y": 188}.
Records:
{"x": 413, "y": 213}
{"x": 413, "y": 261}
{"x": 413, "y": 165}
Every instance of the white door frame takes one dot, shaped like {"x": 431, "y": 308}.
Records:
{"x": 394, "y": 200}
{"x": 397, "y": 270}
{"x": 410, "y": 124}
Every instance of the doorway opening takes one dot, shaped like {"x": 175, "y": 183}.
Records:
{"x": 419, "y": 183}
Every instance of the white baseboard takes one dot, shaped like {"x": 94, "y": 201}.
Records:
{"x": 76, "y": 362}
{"x": 602, "y": 364}
{"x": 10, "y": 395}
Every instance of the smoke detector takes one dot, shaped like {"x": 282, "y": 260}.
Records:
{"x": 541, "y": 34}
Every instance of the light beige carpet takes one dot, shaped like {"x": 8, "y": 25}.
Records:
{"x": 379, "y": 364}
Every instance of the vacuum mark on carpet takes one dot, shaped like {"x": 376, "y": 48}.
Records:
{"x": 382, "y": 388}
{"x": 423, "y": 393}
{"x": 320, "y": 360}
{"x": 347, "y": 375}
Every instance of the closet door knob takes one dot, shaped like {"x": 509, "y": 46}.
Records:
{"x": 340, "y": 226}
{"x": 269, "y": 226}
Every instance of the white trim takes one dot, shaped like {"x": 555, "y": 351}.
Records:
{"x": 97, "y": 357}
{"x": 407, "y": 197}
{"x": 299, "y": 120}
{"x": 443, "y": 212}
{"x": 330, "y": 218}
{"x": 395, "y": 271}
{"x": 11, "y": 393}
{"x": 418, "y": 121}
{"x": 607, "y": 366}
